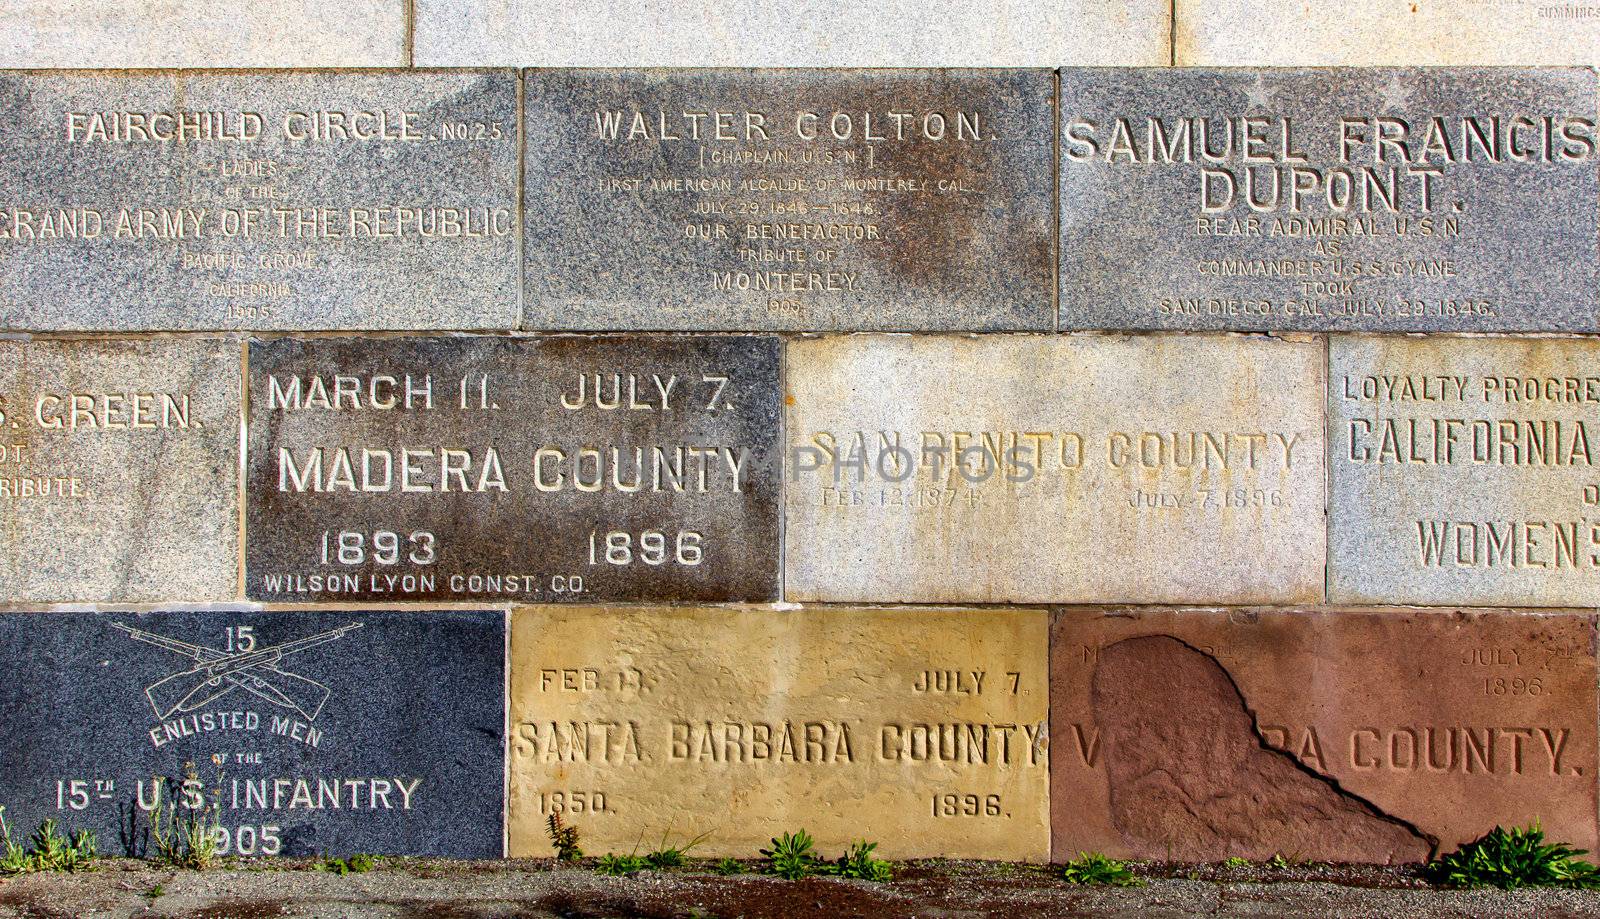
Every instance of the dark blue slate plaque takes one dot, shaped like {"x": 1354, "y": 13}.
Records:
{"x": 308, "y": 732}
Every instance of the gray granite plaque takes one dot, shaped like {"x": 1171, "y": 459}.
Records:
{"x": 312, "y": 200}
{"x": 544, "y": 470}
{"x": 1462, "y": 470}
{"x": 1455, "y": 199}
{"x": 293, "y": 733}
{"x": 119, "y": 470}
{"x": 774, "y": 199}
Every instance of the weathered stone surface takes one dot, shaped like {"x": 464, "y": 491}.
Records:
{"x": 1042, "y": 469}
{"x": 555, "y": 469}
{"x": 298, "y": 201}
{"x": 1458, "y": 199}
{"x": 817, "y": 33}
{"x": 202, "y": 33}
{"x": 773, "y": 199}
{"x": 1152, "y": 745}
{"x": 1463, "y": 471}
{"x": 119, "y": 470}
{"x": 1270, "y": 33}
{"x": 1329, "y": 735}
{"x": 921, "y": 729}
{"x": 307, "y": 732}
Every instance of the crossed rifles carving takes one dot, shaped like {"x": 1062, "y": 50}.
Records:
{"x": 217, "y": 673}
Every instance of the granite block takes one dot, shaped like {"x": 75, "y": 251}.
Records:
{"x": 1462, "y": 471}
{"x": 513, "y": 469}
{"x": 297, "y": 733}
{"x": 782, "y": 199}
{"x": 119, "y": 470}
{"x": 188, "y": 200}
{"x": 1270, "y": 33}
{"x": 812, "y": 33}
{"x": 1450, "y": 199}
{"x": 202, "y": 33}
{"x": 922, "y": 730}
{"x": 1035, "y": 469}
{"x": 1340, "y": 735}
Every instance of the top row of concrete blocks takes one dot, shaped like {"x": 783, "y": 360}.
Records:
{"x": 557, "y": 33}
{"x": 1367, "y": 33}
{"x": 805, "y": 33}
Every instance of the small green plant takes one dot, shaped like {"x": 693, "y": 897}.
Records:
{"x": 793, "y": 856}
{"x": 728, "y": 866}
{"x": 14, "y": 859}
{"x": 563, "y": 837}
{"x": 1096, "y": 870}
{"x": 58, "y": 852}
{"x": 360, "y": 863}
{"x": 47, "y": 850}
{"x": 185, "y": 836}
{"x": 1279, "y": 862}
{"x": 614, "y": 865}
{"x": 1235, "y": 862}
{"x": 662, "y": 859}
{"x": 858, "y": 862}
{"x": 666, "y": 856}
{"x": 1518, "y": 857}
{"x": 154, "y": 893}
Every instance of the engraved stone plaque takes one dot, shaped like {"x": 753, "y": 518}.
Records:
{"x": 921, "y": 729}
{"x": 119, "y": 470}
{"x": 550, "y": 469}
{"x": 781, "y": 199}
{"x": 202, "y": 33}
{"x": 1270, "y": 33}
{"x": 294, "y": 733}
{"x": 1459, "y": 199}
{"x": 822, "y": 33}
{"x": 310, "y": 200}
{"x": 1054, "y": 469}
{"x": 1463, "y": 471}
{"x": 1324, "y": 735}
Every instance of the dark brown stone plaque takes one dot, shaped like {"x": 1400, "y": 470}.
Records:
{"x": 548, "y": 470}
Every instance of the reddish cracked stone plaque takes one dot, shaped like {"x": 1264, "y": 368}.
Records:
{"x": 1339, "y": 735}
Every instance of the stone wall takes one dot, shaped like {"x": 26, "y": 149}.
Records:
{"x": 419, "y": 418}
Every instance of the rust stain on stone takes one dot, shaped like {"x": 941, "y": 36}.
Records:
{"x": 1191, "y": 777}
{"x": 970, "y": 186}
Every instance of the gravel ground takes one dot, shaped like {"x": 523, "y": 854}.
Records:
{"x": 417, "y": 889}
